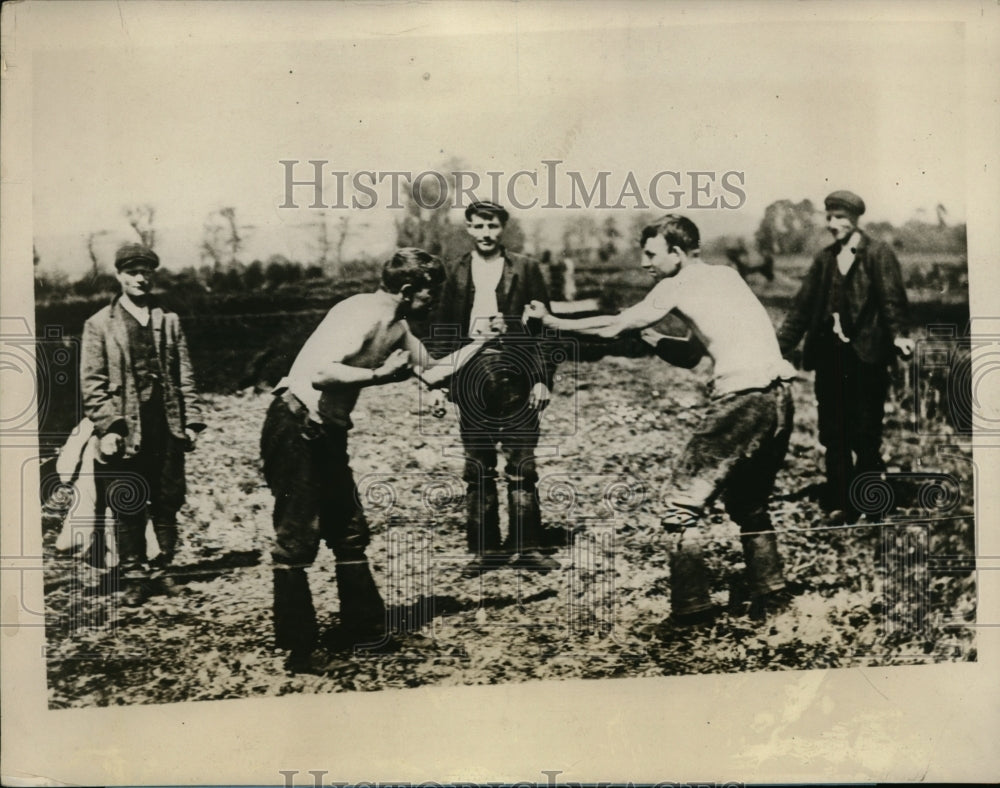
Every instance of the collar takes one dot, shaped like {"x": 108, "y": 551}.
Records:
{"x": 140, "y": 313}
{"x": 854, "y": 242}
{"x": 500, "y": 257}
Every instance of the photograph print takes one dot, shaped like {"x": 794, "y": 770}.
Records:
{"x": 478, "y": 354}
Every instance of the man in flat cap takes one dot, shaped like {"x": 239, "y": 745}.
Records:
{"x": 501, "y": 393}
{"x": 852, "y": 310}
{"x": 139, "y": 392}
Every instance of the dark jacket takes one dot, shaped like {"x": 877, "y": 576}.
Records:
{"x": 107, "y": 380}
{"x": 874, "y": 304}
{"x": 520, "y": 283}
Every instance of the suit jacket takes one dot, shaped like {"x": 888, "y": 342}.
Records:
{"x": 874, "y": 305}
{"x": 520, "y": 283}
{"x": 107, "y": 379}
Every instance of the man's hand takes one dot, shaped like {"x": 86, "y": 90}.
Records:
{"x": 904, "y": 346}
{"x": 539, "y": 397}
{"x": 192, "y": 438}
{"x": 838, "y": 329}
{"x": 395, "y": 367}
{"x": 437, "y": 402}
{"x": 536, "y": 310}
{"x": 111, "y": 445}
{"x": 651, "y": 336}
{"x": 498, "y": 325}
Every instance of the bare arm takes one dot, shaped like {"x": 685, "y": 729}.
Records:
{"x": 433, "y": 372}
{"x": 683, "y": 352}
{"x": 651, "y": 310}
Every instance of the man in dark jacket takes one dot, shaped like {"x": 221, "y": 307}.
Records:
{"x": 501, "y": 393}
{"x": 138, "y": 390}
{"x": 852, "y": 309}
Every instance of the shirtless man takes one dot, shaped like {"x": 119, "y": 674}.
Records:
{"x": 363, "y": 341}
{"x": 740, "y": 444}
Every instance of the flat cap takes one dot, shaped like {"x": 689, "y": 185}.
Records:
{"x": 845, "y": 200}
{"x": 135, "y": 253}
{"x": 488, "y": 208}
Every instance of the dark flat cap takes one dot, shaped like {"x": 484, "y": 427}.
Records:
{"x": 488, "y": 208}
{"x": 135, "y": 253}
{"x": 845, "y": 200}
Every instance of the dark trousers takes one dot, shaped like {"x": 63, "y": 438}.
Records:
{"x": 147, "y": 485}
{"x": 308, "y": 471}
{"x": 735, "y": 453}
{"x": 492, "y": 395}
{"x": 850, "y": 396}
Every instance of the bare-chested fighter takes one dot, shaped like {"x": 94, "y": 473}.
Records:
{"x": 363, "y": 341}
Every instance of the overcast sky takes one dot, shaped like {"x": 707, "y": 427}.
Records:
{"x": 142, "y": 112}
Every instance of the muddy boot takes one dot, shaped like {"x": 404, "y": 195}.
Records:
{"x": 362, "y": 611}
{"x": 134, "y": 577}
{"x": 764, "y": 575}
{"x": 689, "y": 598}
{"x": 483, "y": 517}
{"x": 525, "y": 535}
{"x": 96, "y": 552}
{"x": 166, "y": 540}
{"x": 294, "y": 616}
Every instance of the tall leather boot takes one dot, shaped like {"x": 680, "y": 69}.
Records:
{"x": 525, "y": 535}
{"x": 839, "y": 472}
{"x": 295, "y": 626}
{"x": 764, "y": 567}
{"x": 689, "y": 597}
{"x": 166, "y": 540}
{"x": 765, "y": 574}
{"x": 130, "y": 536}
{"x": 362, "y": 610}
{"x": 483, "y": 517}
{"x": 483, "y": 528}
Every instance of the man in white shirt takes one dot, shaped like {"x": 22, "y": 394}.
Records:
{"x": 501, "y": 394}
{"x": 740, "y": 444}
{"x": 138, "y": 390}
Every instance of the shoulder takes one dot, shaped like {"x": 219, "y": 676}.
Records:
{"x": 99, "y": 318}
{"x": 522, "y": 260}
{"x": 828, "y": 252}
{"x": 663, "y": 289}
{"x": 453, "y": 265}
{"x": 879, "y": 250}
{"x": 352, "y": 305}
{"x": 170, "y": 317}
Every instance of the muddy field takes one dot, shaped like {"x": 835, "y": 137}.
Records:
{"x": 895, "y": 589}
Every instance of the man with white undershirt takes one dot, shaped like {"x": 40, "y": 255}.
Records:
{"x": 363, "y": 341}
{"x": 852, "y": 310}
{"x": 500, "y": 394}
{"x": 740, "y": 444}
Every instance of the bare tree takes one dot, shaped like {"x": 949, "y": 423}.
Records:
{"x": 234, "y": 241}
{"x": 212, "y": 245}
{"x": 91, "y": 242}
{"x": 942, "y": 215}
{"x": 140, "y": 217}
{"x": 325, "y": 244}
{"x": 223, "y": 239}
{"x": 343, "y": 223}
